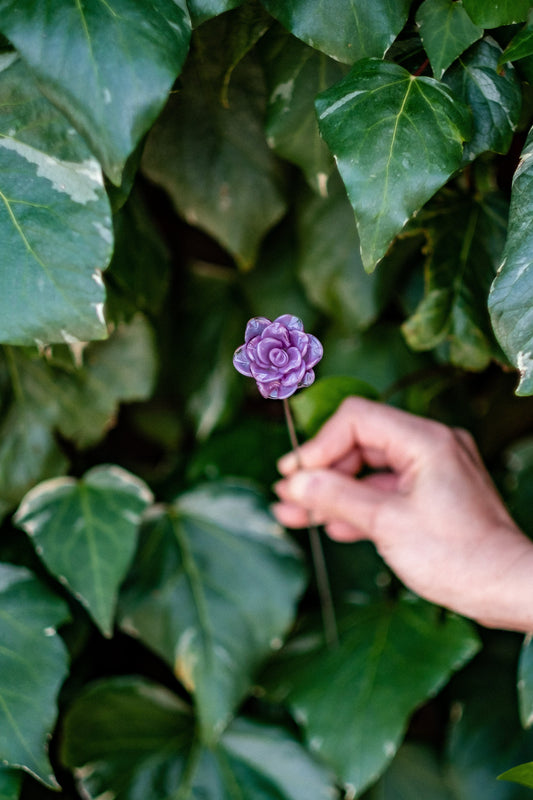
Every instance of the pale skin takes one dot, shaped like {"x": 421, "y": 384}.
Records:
{"x": 430, "y": 508}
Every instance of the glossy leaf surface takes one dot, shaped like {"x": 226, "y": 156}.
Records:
{"x": 521, "y": 46}
{"x": 396, "y": 140}
{"x": 212, "y": 157}
{"x": 510, "y": 309}
{"x": 465, "y": 245}
{"x": 189, "y": 599}
{"x": 158, "y": 755}
{"x": 525, "y": 684}
{"x": 491, "y": 15}
{"x": 446, "y": 31}
{"x": 202, "y": 10}
{"x": 85, "y": 531}
{"x": 55, "y": 222}
{"x": 95, "y": 63}
{"x": 494, "y": 95}
{"x": 346, "y": 30}
{"x": 33, "y": 665}
{"x": 295, "y": 75}
{"x": 390, "y": 659}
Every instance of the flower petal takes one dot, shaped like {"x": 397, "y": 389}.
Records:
{"x": 255, "y": 327}
{"x": 290, "y": 322}
{"x": 315, "y": 352}
{"x": 308, "y": 379}
{"x": 241, "y": 362}
{"x": 279, "y": 332}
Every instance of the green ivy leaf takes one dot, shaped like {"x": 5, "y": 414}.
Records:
{"x": 510, "y": 309}
{"x": 314, "y": 406}
{"x": 202, "y": 10}
{"x": 390, "y": 659}
{"x": 495, "y": 98}
{"x": 521, "y": 45}
{"x": 522, "y": 774}
{"x": 33, "y": 665}
{"x": 346, "y": 30}
{"x": 131, "y": 738}
{"x": 86, "y": 60}
{"x": 188, "y": 598}
{"x": 85, "y": 531}
{"x": 329, "y": 259}
{"x": 466, "y": 241}
{"x": 492, "y": 15}
{"x": 212, "y": 157}
{"x": 55, "y": 222}
{"x": 525, "y": 683}
{"x": 295, "y": 74}
{"x": 446, "y": 31}
{"x": 396, "y": 139}
{"x": 10, "y": 782}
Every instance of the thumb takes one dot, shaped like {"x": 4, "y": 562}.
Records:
{"x": 329, "y": 495}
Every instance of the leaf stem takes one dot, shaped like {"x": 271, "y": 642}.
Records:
{"x": 319, "y": 562}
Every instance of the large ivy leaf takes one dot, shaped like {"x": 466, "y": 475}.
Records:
{"x": 465, "y": 245}
{"x": 55, "y": 222}
{"x": 33, "y": 665}
{"x": 212, "y": 157}
{"x": 396, "y": 139}
{"x": 86, "y": 60}
{"x": 521, "y": 46}
{"x": 85, "y": 531}
{"x": 202, "y": 10}
{"x": 190, "y": 600}
{"x": 128, "y": 738}
{"x": 391, "y": 658}
{"x": 10, "y": 782}
{"x": 295, "y": 74}
{"x": 482, "y": 745}
{"x": 446, "y": 31}
{"x": 494, "y": 96}
{"x": 509, "y": 300}
{"x": 492, "y": 15}
{"x": 329, "y": 259}
{"x": 346, "y": 30}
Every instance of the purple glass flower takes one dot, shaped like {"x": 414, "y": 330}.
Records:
{"x": 279, "y": 355}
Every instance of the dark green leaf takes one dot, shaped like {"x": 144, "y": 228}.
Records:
{"x": 525, "y": 684}
{"x": 346, "y": 30}
{"x": 133, "y": 739}
{"x": 396, "y": 139}
{"x": 314, "y": 406}
{"x": 465, "y": 245}
{"x": 85, "y": 531}
{"x": 494, "y": 97}
{"x": 33, "y": 665}
{"x": 295, "y": 74}
{"x": 446, "y": 31}
{"x": 329, "y": 259}
{"x": 190, "y": 600}
{"x": 522, "y": 774}
{"x": 213, "y": 158}
{"x": 519, "y": 483}
{"x": 482, "y": 745}
{"x": 138, "y": 275}
{"x": 86, "y": 59}
{"x": 509, "y": 300}
{"x": 521, "y": 45}
{"x": 55, "y": 222}
{"x": 202, "y": 10}
{"x": 391, "y": 658}
{"x": 414, "y": 773}
{"x": 492, "y": 15}
{"x": 9, "y": 784}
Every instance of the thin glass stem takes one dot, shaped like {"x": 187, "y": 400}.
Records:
{"x": 317, "y": 553}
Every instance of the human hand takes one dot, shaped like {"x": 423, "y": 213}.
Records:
{"x": 430, "y": 507}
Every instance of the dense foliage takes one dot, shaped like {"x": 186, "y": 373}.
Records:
{"x": 168, "y": 169}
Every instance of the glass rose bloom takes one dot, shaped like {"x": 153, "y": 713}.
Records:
{"x": 279, "y": 355}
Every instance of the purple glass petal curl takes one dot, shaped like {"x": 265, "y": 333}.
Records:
{"x": 279, "y": 355}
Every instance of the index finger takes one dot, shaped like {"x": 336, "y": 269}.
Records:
{"x": 395, "y": 438}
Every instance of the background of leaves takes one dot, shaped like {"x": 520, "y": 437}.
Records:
{"x": 167, "y": 170}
